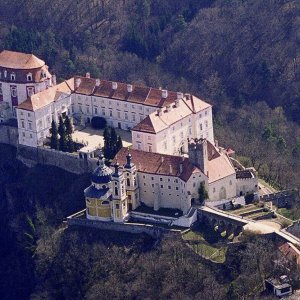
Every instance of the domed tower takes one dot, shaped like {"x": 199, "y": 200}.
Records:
{"x": 98, "y": 197}
{"x": 119, "y": 197}
{"x": 131, "y": 183}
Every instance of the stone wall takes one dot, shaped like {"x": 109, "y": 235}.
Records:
{"x": 70, "y": 162}
{"x": 294, "y": 229}
{"x": 8, "y": 135}
{"x": 151, "y": 230}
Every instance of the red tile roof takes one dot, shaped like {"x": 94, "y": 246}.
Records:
{"x": 140, "y": 94}
{"x": 290, "y": 252}
{"x": 19, "y": 61}
{"x": 158, "y": 164}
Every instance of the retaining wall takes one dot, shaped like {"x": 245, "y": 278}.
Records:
{"x": 8, "y": 135}
{"x": 294, "y": 229}
{"x": 153, "y": 231}
{"x": 69, "y": 162}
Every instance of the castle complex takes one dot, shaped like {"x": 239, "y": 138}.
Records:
{"x": 173, "y": 150}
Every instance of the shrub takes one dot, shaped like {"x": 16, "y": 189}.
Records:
{"x": 98, "y": 122}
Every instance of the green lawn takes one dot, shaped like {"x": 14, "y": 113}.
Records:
{"x": 293, "y": 213}
{"x": 206, "y": 242}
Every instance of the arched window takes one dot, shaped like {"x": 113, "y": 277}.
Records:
{"x": 116, "y": 191}
{"x": 29, "y": 77}
{"x": 12, "y": 76}
{"x": 128, "y": 182}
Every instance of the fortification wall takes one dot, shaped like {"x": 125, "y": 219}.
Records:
{"x": 153, "y": 231}
{"x": 8, "y": 135}
{"x": 69, "y": 162}
{"x": 294, "y": 229}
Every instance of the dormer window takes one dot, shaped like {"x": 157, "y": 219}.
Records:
{"x": 13, "y": 77}
{"x": 29, "y": 77}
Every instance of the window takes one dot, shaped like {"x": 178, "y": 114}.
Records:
{"x": 150, "y": 148}
{"x": 103, "y": 111}
{"x": 126, "y": 116}
{"x": 29, "y": 77}
{"x": 30, "y": 91}
{"x": 165, "y": 145}
{"x": 128, "y": 182}
{"x": 133, "y": 117}
{"x": 117, "y": 206}
{"x": 214, "y": 190}
{"x": 116, "y": 191}
{"x": 230, "y": 182}
{"x": 160, "y": 179}
{"x": 176, "y": 188}
{"x": 174, "y": 139}
{"x": 139, "y": 146}
{"x": 87, "y": 109}
{"x": 162, "y": 186}
{"x": 149, "y": 137}
{"x": 110, "y": 113}
{"x": 132, "y": 106}
{"x": 152, "y": 178}
{"x": 5, "y": 73}
{"x": 1, "y": 93}
{"x": 119, "y": 114}
{"x": 30, "y": 135}
{"x": 152, "y": 185}
{"x": 13, "y": 90}
{"x": 30, "y": 125}
{"x": 206, "y": 113}
{"x": 23, "y": 134}
{"x": 29, "y": 115}
{"x": 96, "y": 110}
{"x": 200, "y": 126}
{"x": 138, "y": 136}
{"x": 169, "y": 187}
{"x": 206, "y": 124}
{"x": 13, "y": 77}
{"x": 22, "y": 124}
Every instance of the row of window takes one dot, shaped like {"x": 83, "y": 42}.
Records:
{"x": 13, "y": 76}
{"x": 125, "y": 105}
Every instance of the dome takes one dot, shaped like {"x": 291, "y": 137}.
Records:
{"x": 102, "y": 174}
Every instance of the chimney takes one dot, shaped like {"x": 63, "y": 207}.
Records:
{"x": 217, "y": 144}
{"x": 53, "y": 79}
{"x": 77, "y": 82}
{"x": 188, "y": 96}
{"x": 164, "y": 94}
{"x": 114, "y": 85}
{"x": 179, "y": 95}
{"x": 171, "y": 169}
{"x": 88, "y": 75}
{"x": 159, "y": 112}
{"x": 168, "y": 108}
{"x": 162, "y": 159}
{"x": 98, "y": 82}
{"x": 177, "y": 102}
{"x": 129, "y": 88}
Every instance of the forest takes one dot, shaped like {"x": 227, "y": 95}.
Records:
{"x": 241, "y": 56}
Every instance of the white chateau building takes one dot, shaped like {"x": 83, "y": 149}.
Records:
{"x": 21, "y": 76}
{"x": 166, "y": 128}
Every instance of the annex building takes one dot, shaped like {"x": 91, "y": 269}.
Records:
{"x": 173, "y": 149}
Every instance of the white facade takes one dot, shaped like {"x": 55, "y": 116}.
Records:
{"x": 171, "y": 137}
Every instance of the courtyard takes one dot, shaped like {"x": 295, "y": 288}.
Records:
{"x": 93, "y": 138}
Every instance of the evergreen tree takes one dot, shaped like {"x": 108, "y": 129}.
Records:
{"x": 107, "y": 143}
{"x": 113, "y": 142}
{"x": 54, "y": 136}
{"x": 69, "y": 131}
{"x": 119, "y": 144}
{"x": 203, "y": 195}
{"x": 62, "y": 135}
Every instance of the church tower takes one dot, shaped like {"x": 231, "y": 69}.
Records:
{"x": 98, "y": 196}
{"x": 131, "y": 183}
{"x": 119, "y": 197}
